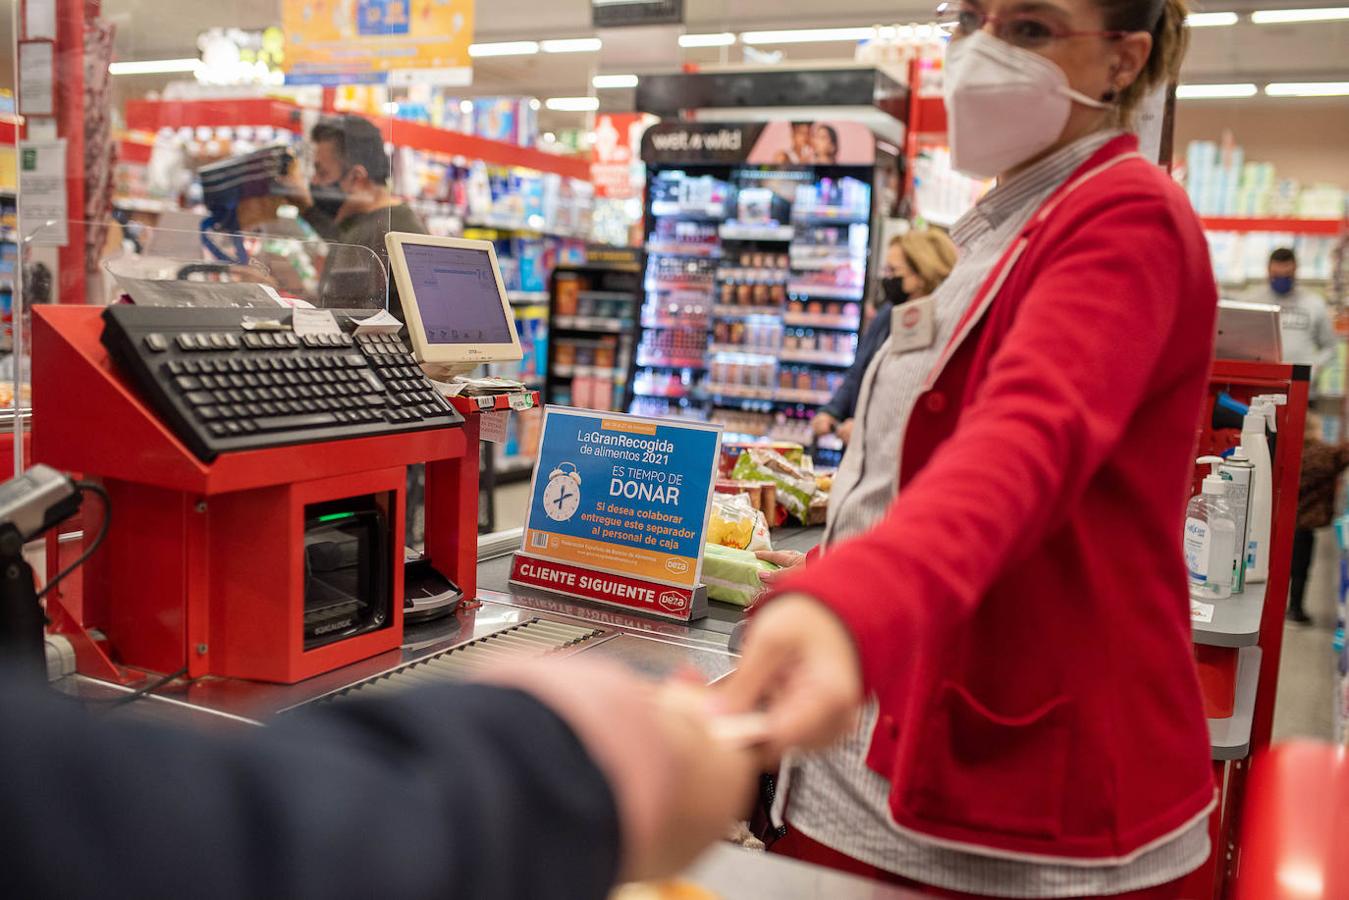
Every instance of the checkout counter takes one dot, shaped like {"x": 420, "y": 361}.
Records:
{"x": 206, "y": 489}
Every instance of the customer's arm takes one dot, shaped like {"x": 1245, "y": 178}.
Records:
{"x": 1061, "y": 388}
{"x": 843, "y": 405}
{"x": 477, "y": 791}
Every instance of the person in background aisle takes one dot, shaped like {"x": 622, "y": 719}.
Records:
{"x": 1001, "y": 593}
{"x": 349, "y": 203}
{"x": 915, "y": 264}
{"x": 1308, "y": 334}
{"x": 545, "y": 782}
{"x": 1322, "y": 465}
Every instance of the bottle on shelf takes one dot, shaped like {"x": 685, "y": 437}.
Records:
{"x": 1260, "y": 419}
{"x": 1210, "y": 540}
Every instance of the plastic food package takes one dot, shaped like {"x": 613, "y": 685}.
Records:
{"x": 736, "y": 523}
{"x": 732, "y": 576}
{"x": 795, "y": 486}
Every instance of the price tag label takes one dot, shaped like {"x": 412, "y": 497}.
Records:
{"x": 487, "y": 402}
{"x": 522, "y": 401}
{"x": 492, "y": 427}
{"x": 1201, "y": 612}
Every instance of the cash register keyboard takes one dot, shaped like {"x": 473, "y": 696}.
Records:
{"x": 222, "y": 386}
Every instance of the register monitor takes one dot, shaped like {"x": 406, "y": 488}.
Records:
{"x": 454, "y": 302}
{"x": 1249, "y": 331}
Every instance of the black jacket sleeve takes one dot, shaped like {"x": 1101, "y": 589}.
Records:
{"x": 322, "y": 223}
{"x": 473, "y": 791}
{"x": 843, "y": 405}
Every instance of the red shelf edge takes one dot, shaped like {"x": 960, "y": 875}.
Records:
{"x": 1329, "y": 227}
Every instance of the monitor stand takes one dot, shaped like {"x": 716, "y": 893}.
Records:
{"x": 427, "y": 594}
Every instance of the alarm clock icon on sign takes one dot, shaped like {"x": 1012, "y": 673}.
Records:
{"x": 562, "y": 496}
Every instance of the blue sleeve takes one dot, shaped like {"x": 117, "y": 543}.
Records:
{"x": 843, "y": 406}
{"x": 473, "y": 791}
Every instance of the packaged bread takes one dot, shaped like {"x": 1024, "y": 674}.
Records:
{"x": 736, "y": 523}
{"x": 794, "y": 486}
{"x": 732, "y": 576}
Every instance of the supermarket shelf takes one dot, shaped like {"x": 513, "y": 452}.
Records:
{"x": 690, "y": 287}
{"x": 727, "y": 275}
{"x": 1231, "y": 738}
{"x": 1328, "y": 227}
{"x": 827, "y": 217}
{"x": 603, "y": 296}
{"x": 561, "y": 370}
{"x": 740, "y": 392}
{"x": 666, "y": 394}
{"x": 9, "y": 236}
{"x": 740, "y": 312}
{"x": 785, "y": 396}
{"x": 734, "y": 231}
{"x": 1236, "y": 620}
{"x": 665, "y": 362}
{"x": 828, "y": 263}
{"x": 591, "y": 323}
{"x": 518, "y": 225}
{"x": 739, "y": 350}
{"x": 704, "y": 251}
{"x": 826, "y": 291}
{"x": 527, "y": 298}
{"x": 690, "y": 323}
{"x": 816, "y": 320}
{"x": 667, "y": 210}
{"x": 815, "y": 398}
{"x": 816, "y": 358}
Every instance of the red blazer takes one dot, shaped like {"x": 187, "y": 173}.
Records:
{"x": 1021, "y": 611}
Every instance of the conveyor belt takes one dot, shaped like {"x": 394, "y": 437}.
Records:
{"x": 534, "y": 638}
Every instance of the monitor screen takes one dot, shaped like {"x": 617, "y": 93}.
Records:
{"x": 455, "y": 290}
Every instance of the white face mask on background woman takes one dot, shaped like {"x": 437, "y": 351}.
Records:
{"x": 1003, "y": 104}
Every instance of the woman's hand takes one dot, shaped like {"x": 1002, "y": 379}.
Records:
{"x": 787, "y": 559}
{"x": 800, "y": 666}
{"x": 844, "y": 431}
{"x": 822, "y": 424}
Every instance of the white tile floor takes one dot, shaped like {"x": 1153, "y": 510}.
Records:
{"x": 1307, "y": 670}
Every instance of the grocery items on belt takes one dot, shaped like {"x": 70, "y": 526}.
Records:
{"x": 732, "y": 576}
{"x": 737, "y": 524}
{"x": 795, "y": 485}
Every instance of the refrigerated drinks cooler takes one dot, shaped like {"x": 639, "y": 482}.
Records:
{"x": 760, "y": 250}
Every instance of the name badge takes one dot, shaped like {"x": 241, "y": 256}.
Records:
{"x": 912, "y": 326}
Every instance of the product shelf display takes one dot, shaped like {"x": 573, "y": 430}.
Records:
{"x": 594, "y": 327}
{"x": 757, "y": 270}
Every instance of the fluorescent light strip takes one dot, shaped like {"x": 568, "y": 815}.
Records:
{"x": 153, "y": 66}
{"x": 603, "y": 82}
{"x": 573, "y": 45}
{"x": 1211, "y": 19}
{"x": 1214, "y": 91}
{"x": 723, "y": 39}
{"x": 808, "y": 36}
{"x": 504, "y": 48}
{"x": 1285, "y": 16}
{"x": 1307, "y": 89}
{"x": 572, "y": 104}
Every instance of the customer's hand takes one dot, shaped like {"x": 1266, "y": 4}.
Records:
{"x": 822, "y": 424}
{"x": 844, "y": 431}
{"x": 677, "y": 787}
{"x": 800, "y": 665}
{"x": 787, "y": 559}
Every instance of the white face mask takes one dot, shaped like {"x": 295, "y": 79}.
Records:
{"x": 1003, "y": 104}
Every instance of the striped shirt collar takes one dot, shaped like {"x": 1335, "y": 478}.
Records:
{"x": 1010, "y": 196}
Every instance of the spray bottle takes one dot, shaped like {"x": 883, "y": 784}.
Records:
{"x": 1238, "y": 471}
{"x": 1255, "y": 446}
{"x": 1210, "y": 537}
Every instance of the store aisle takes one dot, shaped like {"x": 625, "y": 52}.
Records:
{"x": 1307, "y": 670}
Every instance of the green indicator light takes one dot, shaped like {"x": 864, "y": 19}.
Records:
{"x": 337, "y": 517}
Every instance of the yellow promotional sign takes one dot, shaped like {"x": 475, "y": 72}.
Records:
{"x": 336, "y": 42}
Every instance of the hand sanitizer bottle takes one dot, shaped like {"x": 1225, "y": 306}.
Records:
{"x": 1238, "y": 471}
{"x": 1210, "y": 538}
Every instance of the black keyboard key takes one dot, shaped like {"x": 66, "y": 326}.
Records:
{"x": 290, "y": 364}
{"x": 217, "y": 429}
{"x": 232, "y": 341}
{"x": 233, "y": 429}
{"x": 235, "y": 365}
{"x": 248, "y": 426}
{"x": 200, "y": 398}
{"x": 250, "y": 364}
{"x": 156, "y": 343}
{"x": 221, "y": 396}
{"x": 237, "y": 382}
{"x": 238, "y": 410}
{"x": 217, "y": 341}
{"x": 208, "y": 413}
{"x": 252, "y": 381}
{"x": 286, "y": 423}
{"x": 268, "y": 409}
{"x": 269, "y": 341}
{"x": 255, "y": 409}
{"x": 290, "y": 393}
{"x": 187, "y": 342}
{"x": 253, "y": 341}
{"x": 187, "y": 383}
{"x": 192, "y": 367}
{"x": 251, "y": 395}
{"x": 237, "y": 397}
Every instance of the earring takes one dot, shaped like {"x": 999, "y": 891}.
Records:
{"x": 1108, "y": 96}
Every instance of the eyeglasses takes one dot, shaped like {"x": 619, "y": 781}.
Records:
{"x": 1027, "y": 30}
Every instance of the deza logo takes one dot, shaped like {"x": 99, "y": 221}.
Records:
{"x": 677, "y": 566}
{"x": 673, "y": 601}
{"x": 727, "y": 139}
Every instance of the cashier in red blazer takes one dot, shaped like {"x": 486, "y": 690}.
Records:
{"x": 1002, "y": 593}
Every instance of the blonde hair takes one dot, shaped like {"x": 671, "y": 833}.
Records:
{"x": 1165, "y": 21}
{"x": 929, "y": 253}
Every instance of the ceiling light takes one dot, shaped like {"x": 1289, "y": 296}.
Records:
{"x": 723, "y": 39}
{"x": 504, "y": 48}
{"x": 614, "y": 81}
{"x": 1307, "y": 89}
{"x": 572, "y": 104}
{"x": 1284, "y": 16}
{"x": 1211, "y": 19}
{"x": 534, "y": 104}
{"x": 466, "y": 107}
{"x": 1214, "y": 91}
{"x": 153, "y": 66}
{"x": 573, "y": 45}
{"x": 808, "y": 36}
